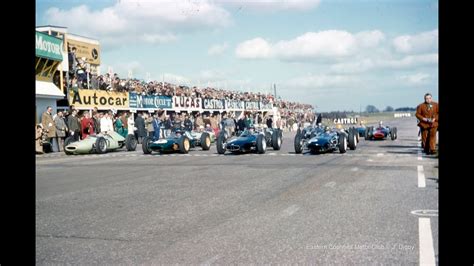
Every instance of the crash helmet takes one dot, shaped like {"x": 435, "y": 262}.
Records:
{"x": 251, "y": 129}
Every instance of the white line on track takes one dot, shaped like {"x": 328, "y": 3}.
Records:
{"x": 421, "y": 176}
{"x": 427, "y": 255}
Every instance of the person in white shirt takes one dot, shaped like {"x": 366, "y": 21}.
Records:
{"x": 106, "y": 124}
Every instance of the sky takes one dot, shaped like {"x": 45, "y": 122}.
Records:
{"x": 336, "y": 55}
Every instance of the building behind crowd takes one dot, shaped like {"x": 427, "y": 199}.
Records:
{"x": 49, "y": 55}
{"x": 87, "y": 49}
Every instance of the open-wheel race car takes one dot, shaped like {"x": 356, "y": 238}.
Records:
{"x": 177, "y": 141}
{"x": 249, "y": 140}
{"x": 320, "y": 140}
{"x": 381, "y": 133}
{"x": 99, "y": 143}
{"x": 271, "y": 134}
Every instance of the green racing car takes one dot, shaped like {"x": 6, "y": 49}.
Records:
{"x": 100, "y": 143}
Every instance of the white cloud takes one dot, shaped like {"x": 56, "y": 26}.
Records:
{"x": 369, "y": 39}
{"x": 384, "y": 62}
{"x": 136, "y": 21}
{"x": 329, "y": 44}
{"x": 272, "y": 5}
{"x": 416, "y": 79}
{"x": 217, "y": 49}
{"x": 419, "y": 43}
{"x": 254, "y": 49}
{"x": 411, "y": 61}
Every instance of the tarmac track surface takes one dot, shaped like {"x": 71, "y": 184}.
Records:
{"x": 204, "y": 208}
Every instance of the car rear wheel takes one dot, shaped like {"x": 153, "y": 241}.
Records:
{"x": 131, "y": 143}
{"x": 261, "y": 144}
{"x": 276, "y": 140}
{"x": 393, "y": 133}
{"x": 184, "y": 144}
{"x": 342, "y": 143}
{"x": 352, "y": 140}
{"x": 221, "y": 143}
{"x": 205, "y": 141}
{"x": 298, "y": 143}
{"x": 146, "y": 145}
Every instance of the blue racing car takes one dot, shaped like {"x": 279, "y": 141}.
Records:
{"x": 181, "y": 141}
{"x": 249, "y": 140}
{"x": 327, "y": 140}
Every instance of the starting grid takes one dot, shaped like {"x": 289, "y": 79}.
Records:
{"x": 219, "y": 155}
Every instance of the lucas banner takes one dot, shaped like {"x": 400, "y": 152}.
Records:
{"x": 98, "y": 98}
{"x": 138, "y": 101}
{"x": 190, "y": 103}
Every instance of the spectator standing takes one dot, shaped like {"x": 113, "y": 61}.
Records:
{"x": 427, "y": 114}
{"x": 87, "y": 125}
{"x": 131, "y": 124}
{"x": 61, "y": 129}
{"x": 269, "y": 122}
{"x": 167, "y": 126}
{"x": 96, "y": 121}
{"x": 38, "y": 138}
{"x": 198, "y": 122}
{"x": 141, "y": 129}
{"x": 74, "y": 125}
{"x": 119, "y": 125}
{"x": 156, "y": 127}
{"x": 106, "y": 124}
{"x": 149, "y": 125}
{"x": 48, "y": 125}
{"x": 188, "y": 124}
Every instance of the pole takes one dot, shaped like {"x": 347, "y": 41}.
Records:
{"x": 275, "y": 88}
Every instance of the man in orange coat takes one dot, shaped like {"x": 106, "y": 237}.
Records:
{"x": 427, "y": 113}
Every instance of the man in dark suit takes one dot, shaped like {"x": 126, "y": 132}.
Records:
{"x": 427, "y": 114}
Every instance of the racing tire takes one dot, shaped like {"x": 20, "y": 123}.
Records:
{"x": 342, "y": 143}
{"x": 205, "y": 141}
{"x": 393, "y": 133}
{"x": 352, "y": 140}
{"x": 276, "y": 140}
{"x": 146, "y": 145}
{"x": 356, "y": 133}
{"x": 221, "y": 144}
{"x": 298, "y": 144}
{"x": 261, "y": 144}
{"x": 131, "y": 143}
{"x": 184, "y": 145}
{"x": 367, "y": 133}
{"x": 100, "y": 145}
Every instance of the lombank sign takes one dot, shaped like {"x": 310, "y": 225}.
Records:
{"x": 49, "y": 47}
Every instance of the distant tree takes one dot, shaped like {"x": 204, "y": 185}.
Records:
{"x": 405, "y": 109}
{"x": 371, "y": 109}
{"x": 388, "y": 109}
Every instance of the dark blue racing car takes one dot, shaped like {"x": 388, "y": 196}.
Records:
{"x": 326, "y": 140}
{"x": 249, "y": 140}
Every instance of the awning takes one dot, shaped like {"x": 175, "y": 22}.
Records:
{"x": 48, "y": 90}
